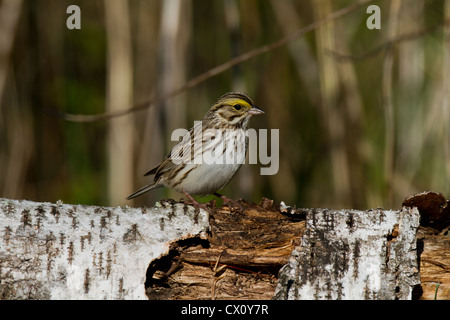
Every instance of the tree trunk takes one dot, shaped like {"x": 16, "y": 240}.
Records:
{"x": 119, "y": 97}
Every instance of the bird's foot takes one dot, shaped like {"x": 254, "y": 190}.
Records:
{"x": 230, "y": 203}
{"x": 197, "y": 205}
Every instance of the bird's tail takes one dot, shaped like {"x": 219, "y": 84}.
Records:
{"x": 142, "y": 191}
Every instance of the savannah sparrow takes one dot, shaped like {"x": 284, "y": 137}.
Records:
{"x": 210, "y": 153}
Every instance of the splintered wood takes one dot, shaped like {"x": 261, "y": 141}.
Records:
{"x": 240, "y": 260}
{"x": 433, "y": 241}
{"x": 434, "y": 264}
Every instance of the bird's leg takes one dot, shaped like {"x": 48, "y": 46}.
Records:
{"x": 197, "y": 205}
{"x": 229, "y": 201}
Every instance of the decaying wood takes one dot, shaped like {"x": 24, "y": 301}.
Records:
{"x": 240, "y": 260}
{"x": 172, "y": 251}
{"x": 434, "y": 264}
{"x": 433, "y": 207}
{"x": 434, "y": 243}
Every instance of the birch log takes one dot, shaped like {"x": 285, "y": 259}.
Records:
{"x": 351, "y": 254}
{"x": 172, "y": 251}
{"x": 60, "y": 251}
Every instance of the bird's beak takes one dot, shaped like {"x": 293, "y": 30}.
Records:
{"x": 254, "y": 111}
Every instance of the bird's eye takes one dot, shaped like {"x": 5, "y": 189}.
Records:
{"x": 237, "y": 107}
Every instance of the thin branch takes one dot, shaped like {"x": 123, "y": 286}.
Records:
{"x": 388, "y": 44}
{"x": 212, "y": 72}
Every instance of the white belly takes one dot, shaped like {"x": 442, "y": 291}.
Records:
{"x": 206, "y": 178}
{"x": 212, "y": 169}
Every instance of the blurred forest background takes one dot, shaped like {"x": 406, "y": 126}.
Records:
{"x": 364, "y": 115}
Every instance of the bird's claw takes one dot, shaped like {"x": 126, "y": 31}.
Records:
{"x": 197, "y": 205}
{"x": 230, "y": 203}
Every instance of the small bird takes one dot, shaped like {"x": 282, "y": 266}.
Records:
{"x": 210, "y": 153}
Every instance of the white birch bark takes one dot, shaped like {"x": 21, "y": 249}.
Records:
{"x": 61, "y": 251}
{"x": 350, "y": 254}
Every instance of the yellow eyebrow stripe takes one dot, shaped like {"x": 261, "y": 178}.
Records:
{"x": 234, "y": 101}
